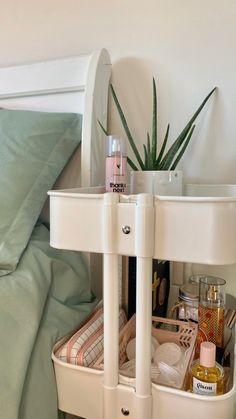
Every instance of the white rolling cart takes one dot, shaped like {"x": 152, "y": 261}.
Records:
{"x": 186, "y": 229}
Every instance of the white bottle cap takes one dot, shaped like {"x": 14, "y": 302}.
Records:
{"x": 116, "y": 146}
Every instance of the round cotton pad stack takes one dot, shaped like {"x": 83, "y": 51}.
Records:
{"x": 169, "y": 353}
{"x": 130, "y": 348}
{"x": 129, "y": 367}
{"x": 170, "y": 373}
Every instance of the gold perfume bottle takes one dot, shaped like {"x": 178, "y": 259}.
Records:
{"x": 206, "y": 376}
{"x": 211, "y": 311}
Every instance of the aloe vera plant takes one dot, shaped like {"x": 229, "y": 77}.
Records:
{"x": 164, "y": 160}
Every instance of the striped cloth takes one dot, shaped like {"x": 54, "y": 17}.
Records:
{"x": 86, "y": 345}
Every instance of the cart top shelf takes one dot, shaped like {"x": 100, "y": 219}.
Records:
{"x": 198, "y": 229}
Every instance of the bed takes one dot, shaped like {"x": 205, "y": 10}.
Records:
{"x": 47, "y": 110}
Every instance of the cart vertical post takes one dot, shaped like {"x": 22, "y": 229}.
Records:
{"x": 144, "y": 248}
{"x": 110, "y": 303}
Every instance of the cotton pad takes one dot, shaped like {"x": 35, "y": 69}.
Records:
{"x": 170, "y": 373}
{"x": 130, "y": 348}
{"x": 169, "y": 353}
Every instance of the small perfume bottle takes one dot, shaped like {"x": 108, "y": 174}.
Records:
{"x": 206, "y": 375}
{"x": 116, "y": 165}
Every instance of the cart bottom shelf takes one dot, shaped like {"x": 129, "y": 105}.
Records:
{"x": 80, "y": 392}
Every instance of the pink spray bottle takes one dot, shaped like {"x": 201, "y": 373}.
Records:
{"x": 116, "y": 165}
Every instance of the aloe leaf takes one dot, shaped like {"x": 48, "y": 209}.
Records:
{"x": 163, "y": 146}
{"x": 200, "y": 107}
{"x": 179, "y": 156}
{"x": 145, "y": 156}
{"x": 148, "y": 143}
{"x": 131, "y": 163}
{"x": 167, "y": 160}
{"x": 173, "y": 150}
{"x": 126, "y": 128}
{"x": 154, "y": 122}
{"x": 103, "y": 129}
{"x": 149, "y": 153}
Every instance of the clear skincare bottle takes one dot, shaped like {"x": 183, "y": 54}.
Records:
{"x": 116, "y": 165}
{"x": 206, "y": 375}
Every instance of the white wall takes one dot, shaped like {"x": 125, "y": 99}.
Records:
{"x": 187, "y": 45}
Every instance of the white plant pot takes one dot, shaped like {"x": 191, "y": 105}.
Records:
{"x": 157, "y": 182}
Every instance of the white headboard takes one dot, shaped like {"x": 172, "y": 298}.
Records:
{"x": 74, "y": 84}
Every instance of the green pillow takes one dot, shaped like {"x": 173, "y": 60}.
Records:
{"x": 34, "y": 148}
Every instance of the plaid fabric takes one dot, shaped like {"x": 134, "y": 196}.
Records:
{"x": 86, "y": 345}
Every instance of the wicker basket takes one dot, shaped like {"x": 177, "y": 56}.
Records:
{"x": 182, "y": 333}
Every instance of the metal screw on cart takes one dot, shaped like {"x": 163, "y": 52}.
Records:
{"x": 125, "y": 411}
{"x": 126, "y": 229}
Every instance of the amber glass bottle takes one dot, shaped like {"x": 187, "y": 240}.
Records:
{"x": 211, "y": 311}
{"x": 206, "y": 376}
